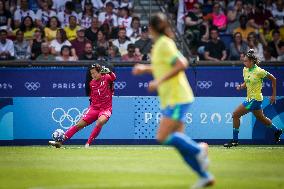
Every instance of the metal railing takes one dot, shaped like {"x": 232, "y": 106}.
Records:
{"x": 30, "y": 63}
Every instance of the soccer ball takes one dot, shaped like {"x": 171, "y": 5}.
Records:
{"x": 58, "y": 135}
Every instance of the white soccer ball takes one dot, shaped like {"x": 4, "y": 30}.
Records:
{"x": 58, "y": 135}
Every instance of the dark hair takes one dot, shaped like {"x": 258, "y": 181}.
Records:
{"x": 53, "y": 17}
{"x": 252, "y": 57}
{"x": 214, "y": 28}
{"x": 84, "y": 9}
{"x": 72, "y": 16}
{"x": 65, "y": 47}
{"x": 97, "y": 67}
{"x": 4, "y": 31}
{"x": 275, "y": 32}
{"x": 23, "y": 27}
{"x": 281, "y": 44}
{"x": 18, "y": 31}
{"x": 159, "y": 23}
{"x": 69, "y": 5}
{"x": 110, "y": 4}
{"x": 63, "y": 34}
{"x": 42, "y": 32}
{"x": 135, "y": 19}
{"x": 130, "y": 46}
{"x": 243, "y": 16}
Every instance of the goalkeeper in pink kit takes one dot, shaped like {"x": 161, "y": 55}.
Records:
{"x": 100, "y": 110}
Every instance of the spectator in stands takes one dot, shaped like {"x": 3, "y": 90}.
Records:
{"x": 269, "y": 5}
{"x": 122, "y": 42}
{"x": 7, "y": 51}
{"x": 27, "y": 27}
{"x": 101, "y": 40}
{"x": 278, "y": 13}
{"x": 184, "y": 6}
{"x": 87, "y": 15}
{"x": 39, "y": 38}
{"x": 237, "y": 47}
{"x": 267, "y": 51}
{"x": 5, "y": 17}
{"x": 281, "y": 53}
{"x": 126, "y": 3}
{"x": 265, "y": 33}
{"x": 233, "y": 16}
{"x": 134, "y": 32}
{"x": 244, "y": 29}
{"x": 59, "y": 42}
{"x": 101, "y": 54}
{"x": 22, "y": 47}
{"x": 215, "y": 49}
{"x": 97, "y": 4}
{"x": 113, "y": 53}
{"x": 253, "y": 43}
{"x": 65, "y": 54}
{"x": 144, "y": 44}
{"x": 131, "y": 56}
{"x": 45, "y": 53}
{"x": 79, "y": 42}
{"x": 125, "y": 19}
{"x": 71, "y": 30}
{"x": 193, "y": 24}
{"x": 91, "y": 32}
{"x": 51, "y": 28}
{"x": 273, "y": 45}
{"x": 22, "y": 13}
{"x": 219, "y": 19}
{"x": 44, "y": 14}
{"x": 63, "y": 16}
{"x": 59, "y": 5}
{"x": 108, "y": 16}
{"x": 88, "y": 52}
{"x": 258, "y": 16}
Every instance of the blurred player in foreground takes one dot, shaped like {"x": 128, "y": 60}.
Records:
{"x": 253, "y": 79}
{"x": 100, "y": 110}
{"x": 167, "y": 67}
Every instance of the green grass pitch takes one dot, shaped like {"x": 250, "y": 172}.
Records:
{"x": 136, "y": 167}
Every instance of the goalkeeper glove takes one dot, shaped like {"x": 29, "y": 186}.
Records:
{"x": 105, "y": 70}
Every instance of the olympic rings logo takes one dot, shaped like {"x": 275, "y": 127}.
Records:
{"x": 67, "y": 118}
{"x": 204, "y": 84}
{"x": 119, "y": 85}
{"x": 32, "y": 86}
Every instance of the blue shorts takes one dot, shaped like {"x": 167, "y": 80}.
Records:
{"x": 176, "y": 112}
{"x": 252, "y": 105}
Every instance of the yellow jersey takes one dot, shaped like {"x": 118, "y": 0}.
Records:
{"x": 253, "y": 78}
{"x": 71, "y": 34}
{"x": 50, "y": 34}
{"x": 176, "y": 90}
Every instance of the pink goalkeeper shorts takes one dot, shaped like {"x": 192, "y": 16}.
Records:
{"x": 91, "y": 115}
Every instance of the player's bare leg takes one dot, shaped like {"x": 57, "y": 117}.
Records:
{"x": 267, "y": 122}
{"x": 237, "y": 114}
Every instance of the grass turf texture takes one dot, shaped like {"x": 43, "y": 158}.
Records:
{"x": 136, "y": 167}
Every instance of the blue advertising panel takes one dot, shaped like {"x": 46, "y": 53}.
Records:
{"x": 132, "y": 118}
{"x": 70, "y": 82}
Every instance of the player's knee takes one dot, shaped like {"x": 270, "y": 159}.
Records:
{"x": 236, "y": 115}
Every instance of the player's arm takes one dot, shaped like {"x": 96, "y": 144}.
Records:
{"x": 273, "y": 81}
{"x": 180, "y": 65}
{"x": 111, "y": 75}
{"x": 241, "y": 86}
{"x": 140, "y": 69}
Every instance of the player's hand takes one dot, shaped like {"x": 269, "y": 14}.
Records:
{"x": 105, "y": 70}
{"x": 138, "y": 69}
{"x": 239, "y": 87}
{"x": 153, "y": 85}
{"x": 272, "y": 99}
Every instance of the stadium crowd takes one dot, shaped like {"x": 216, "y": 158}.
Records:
{"x": 225, "y": 29}
{"x": 70, "y": 30}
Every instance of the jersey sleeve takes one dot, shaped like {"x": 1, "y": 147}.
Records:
{"x": 262, "y": 73}
{"x": 110, "y": 77}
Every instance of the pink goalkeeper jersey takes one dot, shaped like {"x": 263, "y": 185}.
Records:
{"x": 101, "y": 91}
